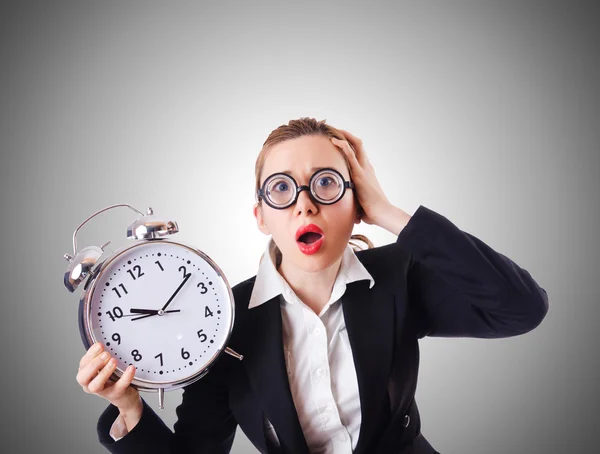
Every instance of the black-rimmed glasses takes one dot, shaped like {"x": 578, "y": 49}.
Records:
{"x": 326, "y": 187}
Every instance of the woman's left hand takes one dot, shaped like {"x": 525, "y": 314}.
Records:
{"x": 368, "y": 190}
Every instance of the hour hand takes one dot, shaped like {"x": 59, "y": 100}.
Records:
{"x": 152, "y": 311}
{"x": 143, "y": 311}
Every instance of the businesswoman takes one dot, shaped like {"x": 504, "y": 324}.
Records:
{"x": 329, "y": 334}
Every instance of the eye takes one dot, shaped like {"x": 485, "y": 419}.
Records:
{"x": 280, "y": 186}
{"x": 325, "y": 181}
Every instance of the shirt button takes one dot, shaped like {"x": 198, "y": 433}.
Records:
{"x": 320, "y": 372}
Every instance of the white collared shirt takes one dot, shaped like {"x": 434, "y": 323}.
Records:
{"x": 318, "y": 357}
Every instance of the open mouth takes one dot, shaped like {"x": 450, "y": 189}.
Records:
{"x": 309, "y": 237}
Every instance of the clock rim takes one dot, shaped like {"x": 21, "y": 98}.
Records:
{"x": 85, "y": 314}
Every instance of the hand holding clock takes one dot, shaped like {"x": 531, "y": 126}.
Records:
{"x": 149, "y": 280}
{"x": 95, "y": 369}
{"x": 97, "y": 366}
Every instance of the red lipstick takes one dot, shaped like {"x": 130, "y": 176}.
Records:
{"x": 309, "y": 238}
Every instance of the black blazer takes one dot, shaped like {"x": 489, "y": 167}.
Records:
{"x": 435, "y": 280}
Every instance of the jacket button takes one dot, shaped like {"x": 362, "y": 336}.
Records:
{"x": 406, "y": 420}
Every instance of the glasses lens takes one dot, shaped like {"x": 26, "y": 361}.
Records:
{"x": 280, "y": 190}
{"x": 327, "y": 186}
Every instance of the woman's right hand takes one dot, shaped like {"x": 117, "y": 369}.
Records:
{"x": 95, "y": 369}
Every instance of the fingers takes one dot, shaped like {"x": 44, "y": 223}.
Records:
{"x": 357, "y": 145}
{"x": 92, "y": 352}
{"x": 350, "y": 154}
{"x": 122, "y": 383}
{"x": 98, "y": 383}
{"x": 120, "y": 393}
{"x": 352, "y": 138}
{"x": 93, "y": 368}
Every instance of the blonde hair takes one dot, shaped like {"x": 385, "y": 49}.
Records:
{"x": 305, "y": 126}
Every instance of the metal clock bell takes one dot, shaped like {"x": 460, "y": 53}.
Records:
{"x": 161, "y": 305}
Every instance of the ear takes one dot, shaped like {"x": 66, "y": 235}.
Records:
{"x": 359, "y": 212}
{"x": 260, "y": 220}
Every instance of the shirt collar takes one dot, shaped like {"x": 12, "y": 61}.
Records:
{"x": 269, "y": 283}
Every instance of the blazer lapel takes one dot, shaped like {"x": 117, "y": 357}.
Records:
{"x": 265, "y": 363}
{"x": 369, "y": 317}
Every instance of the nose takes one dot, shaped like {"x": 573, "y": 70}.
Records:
{"x": 305, "y": 204}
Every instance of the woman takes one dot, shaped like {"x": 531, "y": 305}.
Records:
{"x": 329, "y": 335}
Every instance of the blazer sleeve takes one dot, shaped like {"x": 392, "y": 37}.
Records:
{"x": 460, "y": 287}
{"x": 204, "y": 423}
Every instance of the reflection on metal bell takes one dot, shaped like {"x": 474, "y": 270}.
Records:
{"x": 151, "y": 226}
{"x": 80, "y": 266}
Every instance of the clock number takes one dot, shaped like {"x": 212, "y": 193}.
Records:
{"x": 184, "y": 354}
{"x": 136, "y": 355}
{"x": 158, "y": 263}
{"x": 139, "y": 272}
{"x": 185, "y": 274}
{"x": 203, "y": 337}
{"x": 117, "y": 338}
{"x": 159, "y": 356}
{"x": 207, "y": 312}
{"x": 116, "y": 313}
{"x": 117, "y": 292}
{"x": 204, "y": 289}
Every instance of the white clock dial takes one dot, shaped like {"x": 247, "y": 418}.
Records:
{"x": 163, "y": 308}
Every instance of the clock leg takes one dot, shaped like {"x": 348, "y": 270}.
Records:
{"x": 233, "y": 353}
{"x": 161, "y": 398}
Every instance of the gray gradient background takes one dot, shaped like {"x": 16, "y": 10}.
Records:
{"x": 486, "y": 112}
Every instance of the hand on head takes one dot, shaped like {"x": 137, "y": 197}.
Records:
{"x": 368, "y": 190}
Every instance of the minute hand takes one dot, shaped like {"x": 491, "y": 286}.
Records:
{"x": 176, "y": 291}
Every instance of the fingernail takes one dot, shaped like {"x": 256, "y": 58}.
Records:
{"x": 104, "y": 355}
{"x": 96, "y": 347}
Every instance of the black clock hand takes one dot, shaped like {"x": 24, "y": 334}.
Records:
{"x": 151, "y": 314}
{"x": 177, "y": 291}
{"x": 150, "y": 311}
{"x": 143, "y": 311}
{"x": 143, "y": 316}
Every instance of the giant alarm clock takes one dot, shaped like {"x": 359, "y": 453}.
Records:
{"x": 158, "y": 304}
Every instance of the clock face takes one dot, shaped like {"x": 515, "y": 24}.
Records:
{"x": 163, "y": 308}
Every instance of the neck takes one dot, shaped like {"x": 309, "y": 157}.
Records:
{"x": 313, "y": 288}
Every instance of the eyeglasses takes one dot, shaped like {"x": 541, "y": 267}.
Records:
{"x": 326, "y": 187}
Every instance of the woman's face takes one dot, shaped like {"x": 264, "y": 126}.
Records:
{"x": 300, "y": 158}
